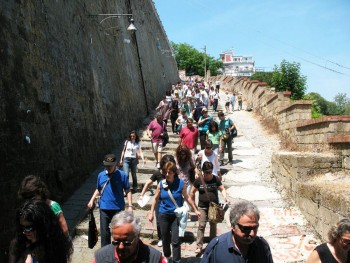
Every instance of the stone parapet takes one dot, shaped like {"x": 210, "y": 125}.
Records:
{"x": 323, "y": 197}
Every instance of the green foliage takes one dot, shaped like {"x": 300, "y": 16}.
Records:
{"x": 340, "y": 106}
{"x": 320, "y": 106}
{"x": 190, "y": 59}
{"x": 288, "y": 77}
{"x": 316, "y": 108}
{"x": 262, "y": 76}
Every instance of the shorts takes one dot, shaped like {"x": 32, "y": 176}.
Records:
{"x": 157, "y": 147}
{"x": 227, "y": 104}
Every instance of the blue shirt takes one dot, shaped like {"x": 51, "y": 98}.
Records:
{"x": 224, "y": 124}
{"x": 113, "y": 196}
{"x": 224, "y": 250}
{"x": 167, "y": 206}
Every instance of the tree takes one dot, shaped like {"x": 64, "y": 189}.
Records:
{"x": 190, "y": 59}
{"x": 321, "y": 102}
{"x": 315, "y": 108}
{"x": 341, "y": 101}
{"x": 262, "y": 76}
{"x": 288, "y": 77}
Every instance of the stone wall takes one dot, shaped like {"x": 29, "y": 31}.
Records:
{"x": 71, "y": 88}
{"x": 317, "y": 178}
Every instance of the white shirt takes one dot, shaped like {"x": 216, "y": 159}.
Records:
{"x": 213, "y": 158}
{"x": 131, "y": 149}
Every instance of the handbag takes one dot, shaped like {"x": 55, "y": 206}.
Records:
{"x": 92, "y": 231}
{"x": 216, "y": 213}
{"x": 234, "y": 132}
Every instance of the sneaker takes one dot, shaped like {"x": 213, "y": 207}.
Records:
{"x": 160, "y": 243}
{"x": 158, "y": 165}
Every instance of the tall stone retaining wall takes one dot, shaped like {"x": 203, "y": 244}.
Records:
{"x": 71, "y": 88}
{"x": 318, "y": 177}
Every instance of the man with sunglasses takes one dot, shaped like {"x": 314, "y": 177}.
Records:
{"x": 126, "y": 244}
{"x": 241, "y": 244}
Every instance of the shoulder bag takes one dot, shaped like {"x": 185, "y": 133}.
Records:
{"x": 215, "y": 212}
{"x": 98, "y": 198}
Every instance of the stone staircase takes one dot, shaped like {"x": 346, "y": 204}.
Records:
{"x": 144, "y": 172}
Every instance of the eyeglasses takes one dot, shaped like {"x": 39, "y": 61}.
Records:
{"x": 208, "y": 172}
{"x": 27, "y": 229}
{"x": 247, "y": 229}
{"x": 126, "y": 243}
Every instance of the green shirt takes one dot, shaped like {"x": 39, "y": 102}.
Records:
{"x": 56, "y": 208}
{"x": 214, "y": 137}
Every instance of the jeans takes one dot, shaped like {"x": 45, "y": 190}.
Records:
{"x": 201, "y": 227}
{"x": 227, "y": 143}
{"x": 105, "y": 220}
{"x": 215, "y": 104}
{"x": 169, "y": 226}
{"x": 239, "y": 105}
{"x": 131, "y": 164}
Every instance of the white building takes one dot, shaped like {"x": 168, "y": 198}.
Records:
{"x": 238, "y": 66}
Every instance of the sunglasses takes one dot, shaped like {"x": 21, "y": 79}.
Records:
{"x": 345, "y": 241}
{"x": 247, "y": 229}
{"x": 208, "y": 148}
{"x": 126, "y": 243}
{"x": 27, "y": 229}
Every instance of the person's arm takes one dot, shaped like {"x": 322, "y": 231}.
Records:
{"x": 140, "y": 154}
{"x": 91, "y": 202}
{"x": 145, "y": 188}
{"x": 122, "y": 155}
{"x": 155, "y": 200}
{"x": 220, "y": 144}
{"x": 190, "y": 201}
{"x": 193, "y": 192}
{"x": 129, "y": 197}
{"x": 223, "y": 192}
{"x": 201, "y": 120}
{"x": 314, "y": 257}
{"x": 63, "y": 224}
{"x": 232, "y": 126}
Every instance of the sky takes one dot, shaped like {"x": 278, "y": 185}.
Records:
{"x": 314, "y": 33}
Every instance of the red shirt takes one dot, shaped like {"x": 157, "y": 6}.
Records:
{"x": 189, "y": 137}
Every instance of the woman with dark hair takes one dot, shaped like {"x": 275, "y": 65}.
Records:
{"x": 169, "y": 191}
{"x": 157, "y": 176}
{"x": 33, "y": 188}
{"x": 212, "y": 184}
{"x": 130, "y": 155}
{"x": 215, "y": 135}
{"x": 336, "y": 250}
{"x": 174, "y": 114}
{"x": 185, "y": 166}
{"x": 39, "y": 237}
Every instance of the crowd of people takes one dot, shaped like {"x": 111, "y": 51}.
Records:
{"x": 194, "y": 168}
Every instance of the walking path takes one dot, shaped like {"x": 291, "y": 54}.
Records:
{"x": 290, "y": 237}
